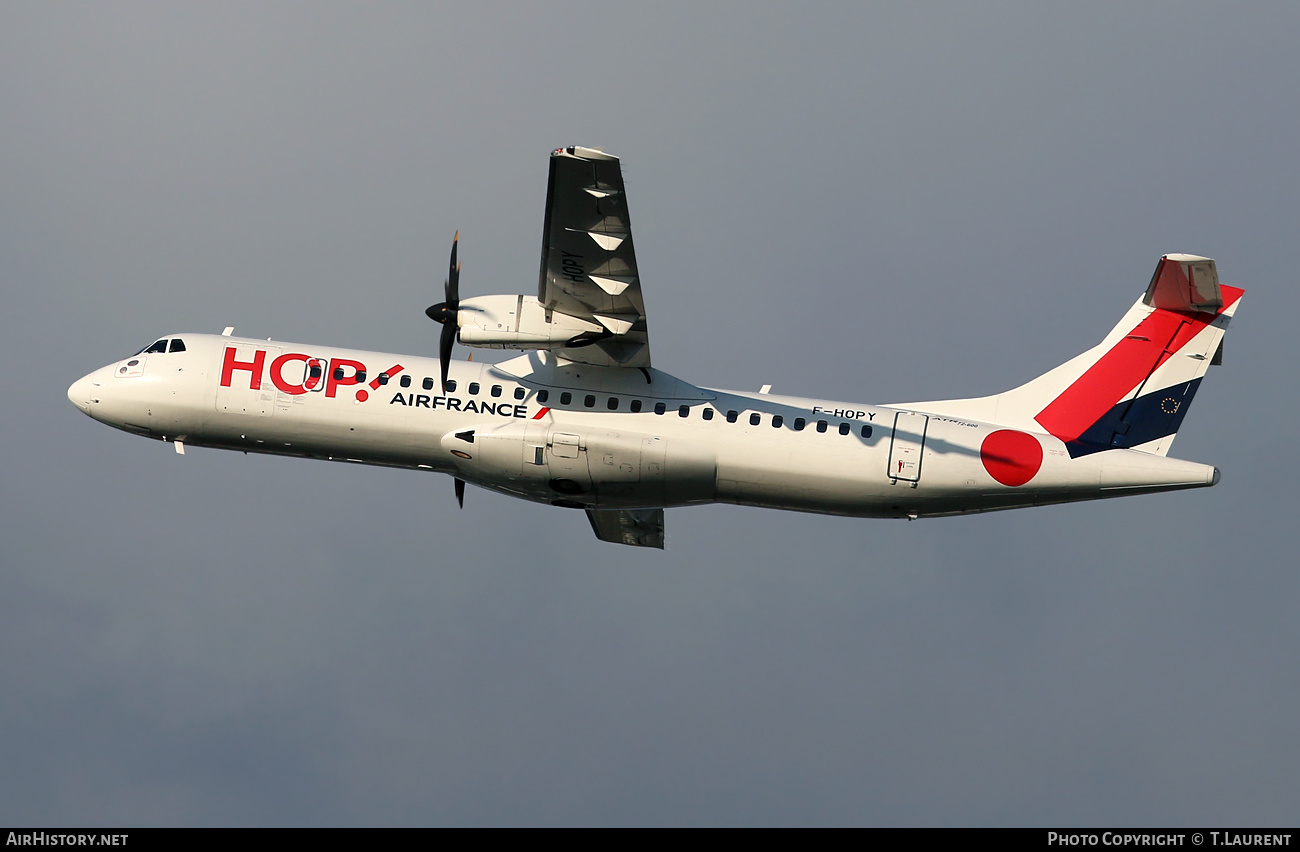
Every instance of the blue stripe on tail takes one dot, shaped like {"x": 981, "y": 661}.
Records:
{"x": 1137, "y": 421}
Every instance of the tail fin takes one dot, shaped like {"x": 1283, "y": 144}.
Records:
{"x": 1132, "y": 389}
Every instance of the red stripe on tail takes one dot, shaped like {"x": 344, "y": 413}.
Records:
{"x": 1124, "y": 367}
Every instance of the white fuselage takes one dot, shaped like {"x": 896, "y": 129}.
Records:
{"x": 563, "y": 433}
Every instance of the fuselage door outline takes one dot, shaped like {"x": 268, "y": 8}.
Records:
{"x": 314, "y": 374}
{"x": 907, "y": 447}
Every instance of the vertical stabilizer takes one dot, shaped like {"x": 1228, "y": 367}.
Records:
{"x": 1132, "y": 390}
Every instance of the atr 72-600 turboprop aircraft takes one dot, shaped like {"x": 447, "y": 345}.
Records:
{"x": 583, "y": 421}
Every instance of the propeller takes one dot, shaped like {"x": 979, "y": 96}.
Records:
{"x": 445, "y": 312}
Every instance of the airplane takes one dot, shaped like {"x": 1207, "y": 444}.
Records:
{"x": 582, "y": 420}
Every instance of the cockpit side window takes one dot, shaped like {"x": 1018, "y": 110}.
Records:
{"x": 177, "y": 345}
{"x": 160, "y": 346}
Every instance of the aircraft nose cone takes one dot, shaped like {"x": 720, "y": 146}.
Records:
{"x": 80, "y": 393}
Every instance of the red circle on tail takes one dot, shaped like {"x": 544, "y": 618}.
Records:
{"x": 1012, "y": 458}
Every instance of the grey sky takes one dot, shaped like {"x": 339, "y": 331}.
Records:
{"x": 867, "y": 202}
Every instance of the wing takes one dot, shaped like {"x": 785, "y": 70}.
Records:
{"x": 588, "y": 262}
{"x": 637, "y": 527}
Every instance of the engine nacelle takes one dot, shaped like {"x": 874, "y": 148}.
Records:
{"x": 520, "y": 322}
{"x": 578, "y": 466}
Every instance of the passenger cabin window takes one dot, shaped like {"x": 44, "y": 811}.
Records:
{"x": 799, "y": 423}
{"x": 777, "y": 420}
{"x": 821, "y": 425}
{"x": 844, "y": 428}
{"x": 589, "y": 400}
{"x": 683, "y": 411}
{"x": 383, "y": 379}
{"x": 566, "y": 398}
{"x": 520, "y": 393}
{"x": 636, "y": 405}
{"x": 178, "y": 345}
{"x": 451, "y": 384}
{"x": 755, "y": 418}
{"x": 473, "y": 388}
{"x": 612, "y": 404}
{"x": 427, "y": 384}
{"x": 866, "y": 431}
{"x": 496, "y": 390}
{"x": 707, "y": 414}
{"x": 405, "y": 382}
{"x": 660, "y": 408}
{"x": 732, "y": 415}
{"x": 543, "y": 395}
{"x": 361, "y": 376}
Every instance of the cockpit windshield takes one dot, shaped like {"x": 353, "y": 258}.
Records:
{"x": 160, "y": 346}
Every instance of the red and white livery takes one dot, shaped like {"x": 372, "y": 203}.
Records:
{"x": 582, "y": 420}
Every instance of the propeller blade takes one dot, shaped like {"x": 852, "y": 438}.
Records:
{"x": 453, "y": 276}
{"x": 460, "y": 492}
{"x": 446, "y": 312}
{"x": 444, "y": 352}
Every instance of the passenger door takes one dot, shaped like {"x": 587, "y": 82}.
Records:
{"x": 907, "y": 447}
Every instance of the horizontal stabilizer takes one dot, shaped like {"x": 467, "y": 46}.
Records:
{"x": 1184, "y": 282}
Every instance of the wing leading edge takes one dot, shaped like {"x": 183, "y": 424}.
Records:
{"x": 588, "y": 261}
